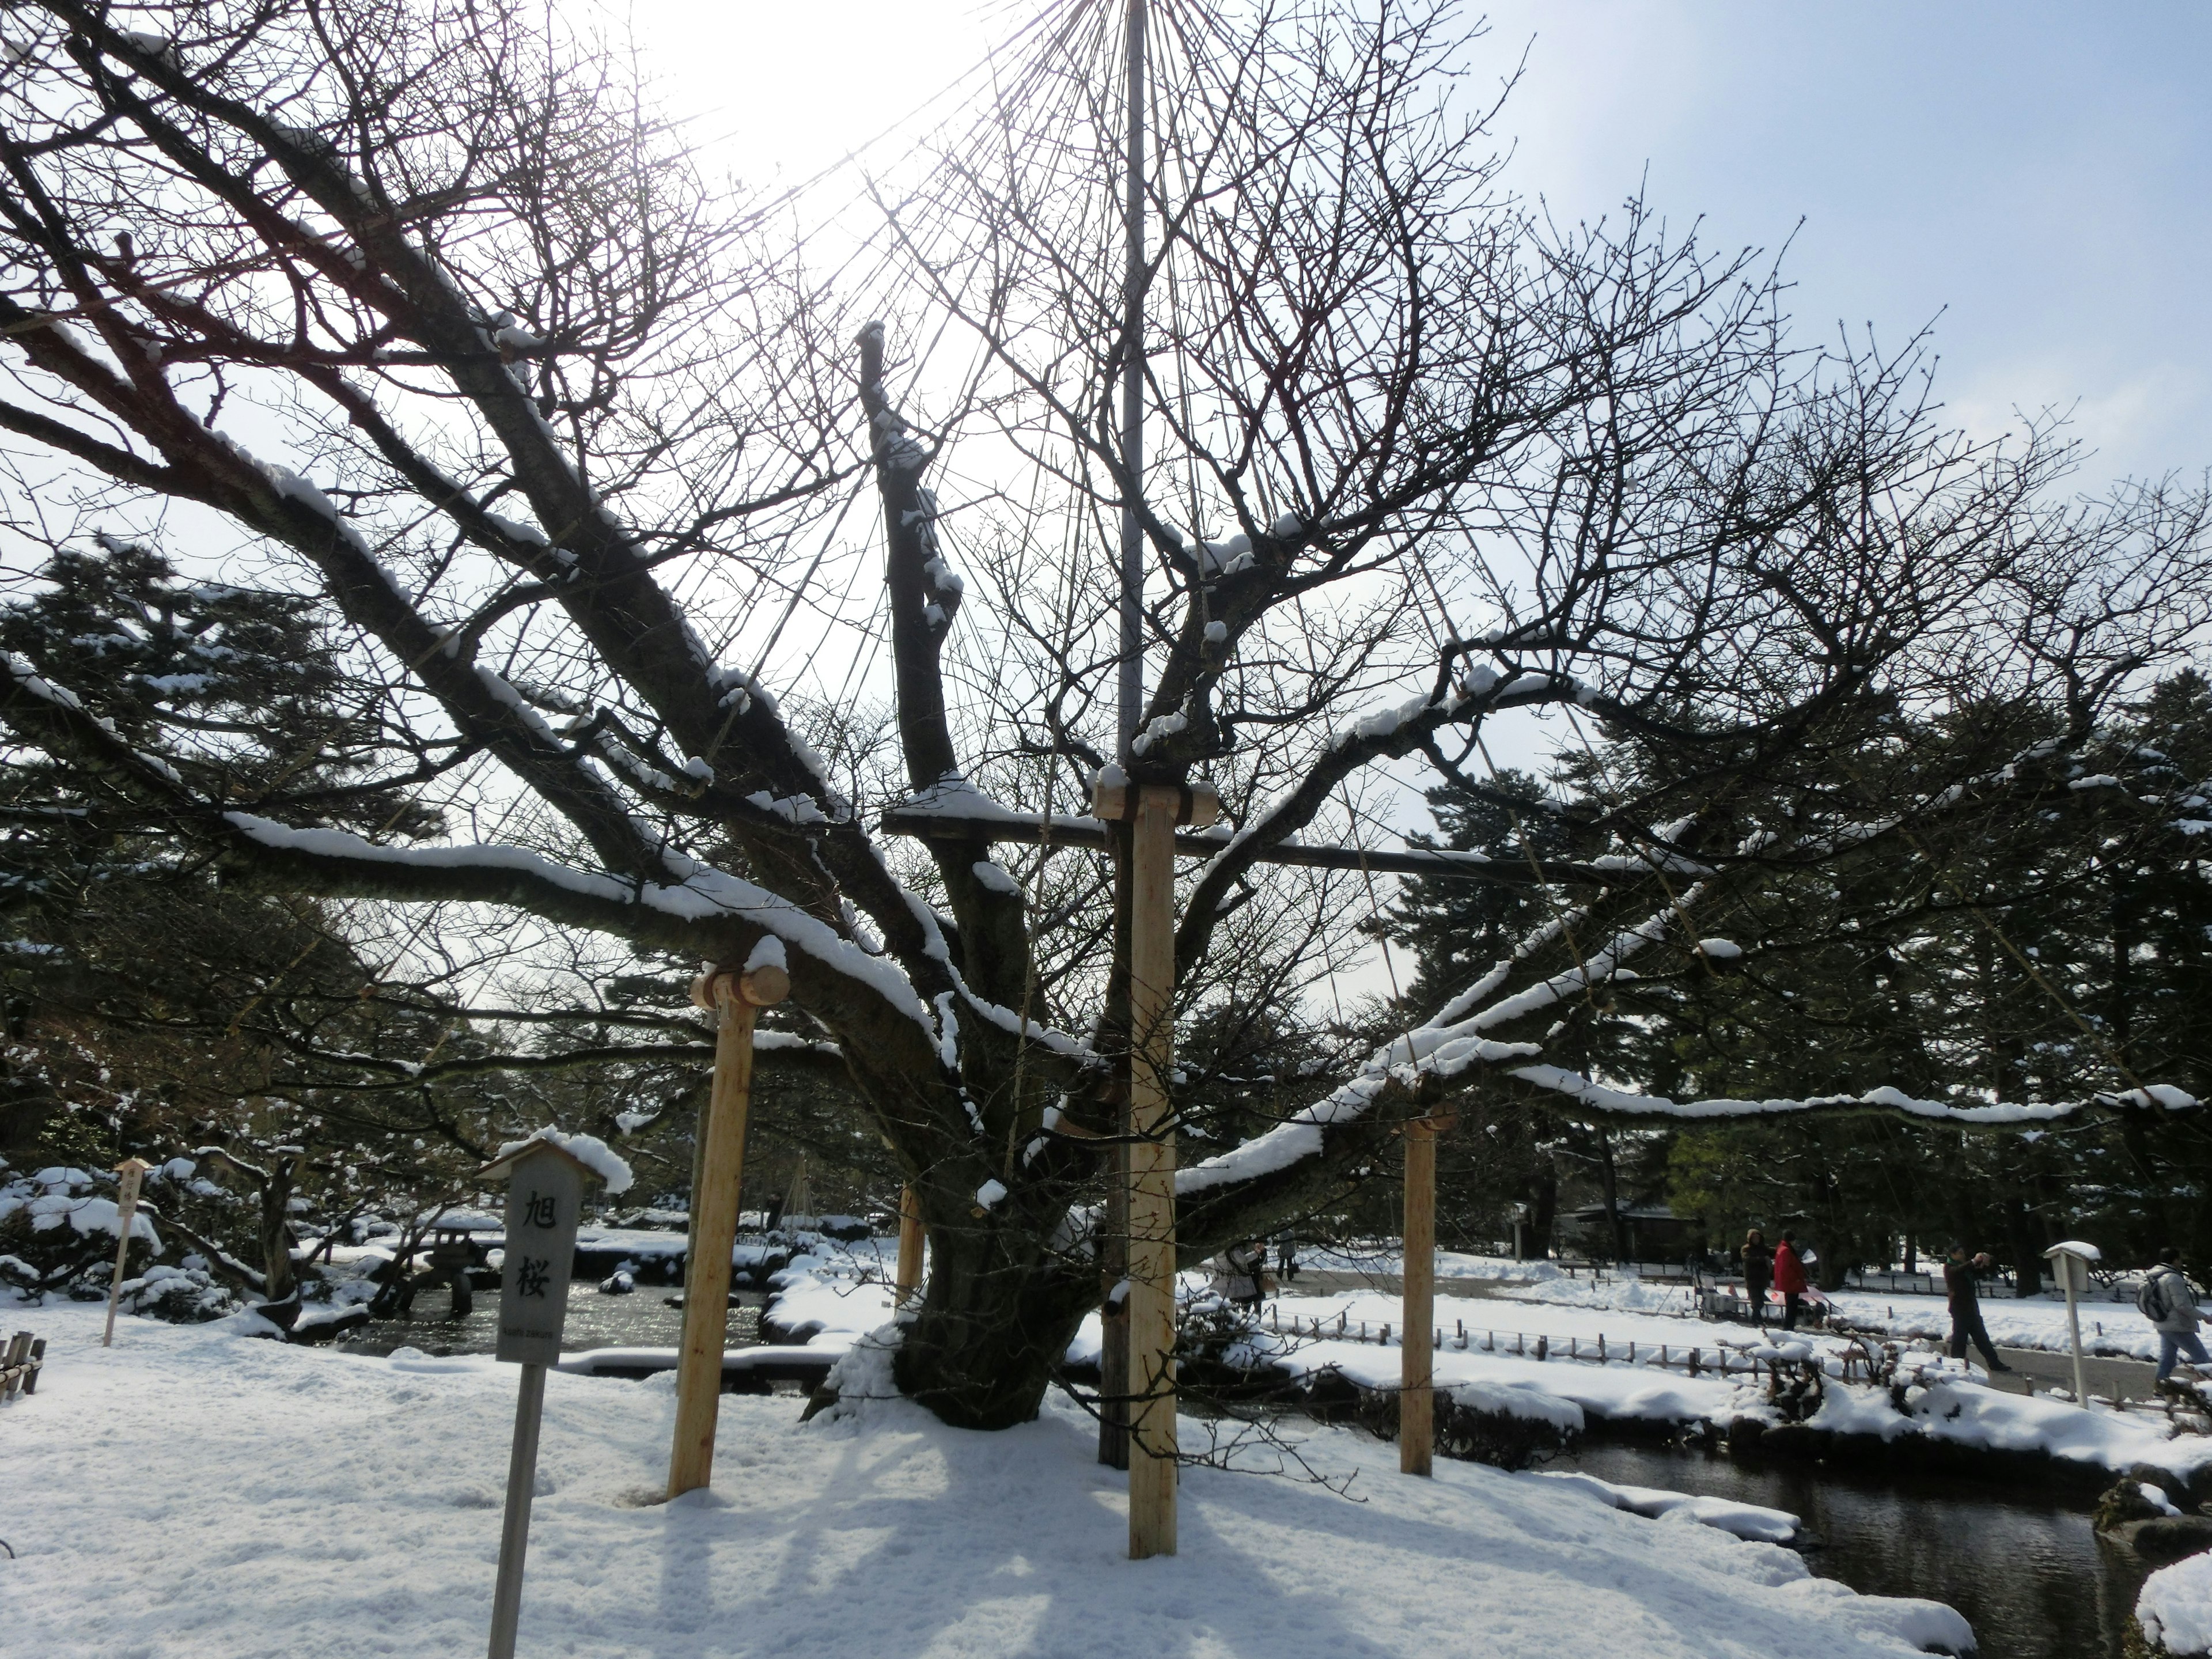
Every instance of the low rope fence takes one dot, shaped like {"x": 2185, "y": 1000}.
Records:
{"x": 1718, "y": 1360}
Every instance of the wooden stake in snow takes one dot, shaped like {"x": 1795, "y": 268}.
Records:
{"x": 909, "y": 1249}
{"x": 128, "y": 1175}
{"x": 738, "y": 998}
{"x": 1155, "y": 810}
{"x": 1417, "y": 1433}
{"x": 2070, "y": 1261}
{"x": 544, "y": 1202}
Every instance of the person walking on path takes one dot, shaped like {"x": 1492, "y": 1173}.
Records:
{"x": 1286, "y": 1260}
{"x": 1961, "y": 1288}
{"x": 1237, "y": 1279}
{"x": 1789, "y": 1279}
{"x": 2168, "y": 1302}
{"x": 1758, "y": 1273}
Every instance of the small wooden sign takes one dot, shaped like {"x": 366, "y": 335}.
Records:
{"x": 544, "y": 1203}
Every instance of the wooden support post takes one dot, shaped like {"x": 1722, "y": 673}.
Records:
{"x": 909, "y": 1249}
{"x": 714, "y": 1228}
{"x": 1416, "y": 1366}
{"x": 128, "y": 1175}
{"x": 1153, "y": 810}
{"x": 515, "y": 1526}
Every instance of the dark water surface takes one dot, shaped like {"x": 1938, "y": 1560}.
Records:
{"x": 2026, "y": 1569}
{"x": 642, "y": 1319}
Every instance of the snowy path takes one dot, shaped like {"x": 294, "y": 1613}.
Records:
{"x": 193, "y": 1495}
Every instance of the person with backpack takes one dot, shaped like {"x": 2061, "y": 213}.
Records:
{"x": 1961, "y": 1288}
{"x": 1758, "y": 1273}
{"x": 1789, "y": 1279}
{"x": 2169, "y": 1301}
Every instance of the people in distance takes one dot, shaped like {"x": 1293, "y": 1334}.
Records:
{"x": 2169, "y": 1301}
{"x": 1758, "y": 1273}
{"x": 1962, "y": 1289}
{"x": 1789, "y": 1279}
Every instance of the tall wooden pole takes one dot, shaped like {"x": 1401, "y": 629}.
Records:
{"x": 1417, "y": 1361}
{"x": 1154, "y": 811}
{"x": 715, "y": 1227}
{"x": 909, "y": 1249}
{"x": 128, "y": 1175}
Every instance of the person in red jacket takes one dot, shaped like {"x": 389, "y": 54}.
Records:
{"x": 1789, "y": 1279}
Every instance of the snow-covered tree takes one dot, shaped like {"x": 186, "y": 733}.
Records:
{"x": 419, "y": 301}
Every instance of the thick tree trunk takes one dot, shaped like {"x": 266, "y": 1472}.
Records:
{"x": 993, "y": 1326}
{"x": 276, "y": 1230}
{"x": 2026, "y": 1249}
{"x": 1616, "y": 1230}
{"x": 1545, "y": 1206}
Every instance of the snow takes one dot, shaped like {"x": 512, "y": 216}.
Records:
{"x": 1571, "y": 1314}
{"x": 702, "y": 894}
{"x": 1719, "y": 950}
{"x": 2175, "y": 1607}
{"x": 767, "y": 952}
{"x": 874, "y": 1530}
{"x": 59, "y": 1197}
{"x": 989, "y": 1194}
{"x": 994, "y": 877}
{"x": 588, "y": 1150}
{"x": 1743, "y": 1520}
{"x": 516, "y": 531}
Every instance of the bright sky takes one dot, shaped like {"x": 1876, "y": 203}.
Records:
{"x": 2029, "y": 176}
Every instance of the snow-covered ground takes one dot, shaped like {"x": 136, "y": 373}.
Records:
{"x": 2175, "y": 1607}
{"x": 191, "y": 1493}
{"x": 2108, "y": 1327}
{"x": 1953, "y": 1408}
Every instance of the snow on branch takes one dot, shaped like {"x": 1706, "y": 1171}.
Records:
{"x": 704, "y": 895}
{"x": 1584, "y": 1094}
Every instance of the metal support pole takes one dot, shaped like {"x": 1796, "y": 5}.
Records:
{"x": 515, "y": 1530}
{"x": 1132, "y": 699}
{"x": 1118, "y": 1380}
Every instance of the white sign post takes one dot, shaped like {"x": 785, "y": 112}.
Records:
{"x": 2070, "y": 1261}
{"x": 128, "y": 1173}
{"x": 545, "y": 1202}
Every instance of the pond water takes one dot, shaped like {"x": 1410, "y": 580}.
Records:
{"x": 642, "y": 1319}
{"x": 2026, "y": 1569}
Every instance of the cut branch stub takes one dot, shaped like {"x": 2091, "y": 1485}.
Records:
{"x": 762, "y": 987}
